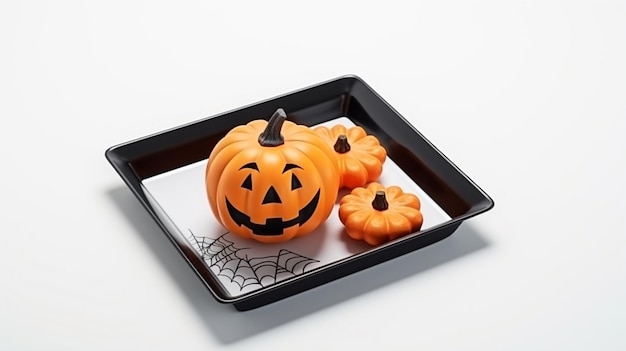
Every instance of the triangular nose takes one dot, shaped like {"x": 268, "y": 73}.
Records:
{"x": 271, "y": 196}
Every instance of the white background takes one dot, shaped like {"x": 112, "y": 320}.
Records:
{"x": 526, "y": 97}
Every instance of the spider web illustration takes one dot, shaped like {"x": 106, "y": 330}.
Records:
{"x": 228, "y": 262}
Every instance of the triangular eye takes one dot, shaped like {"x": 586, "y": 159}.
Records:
{"x": 247, "y": 183}
{"x": 295, "y": 183}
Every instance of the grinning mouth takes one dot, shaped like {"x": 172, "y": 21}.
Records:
{"x": 275, "y": 225}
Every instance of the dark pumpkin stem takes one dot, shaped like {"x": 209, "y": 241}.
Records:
{"x": 342, "y": 146}
{"x": 271, "y": 135}
{"x": 380, "y": 201}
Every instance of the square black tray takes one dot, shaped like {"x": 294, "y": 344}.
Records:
{"x": 347, "y": 96}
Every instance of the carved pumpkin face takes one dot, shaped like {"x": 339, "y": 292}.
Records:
{"x": 267, "y": 192}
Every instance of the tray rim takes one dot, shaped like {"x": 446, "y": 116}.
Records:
{"x": 133, "y": 182}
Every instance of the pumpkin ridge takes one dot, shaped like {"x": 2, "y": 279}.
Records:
{"x": 370, "y": 228}
{"x": 217, "y": 170}
{"x": 221, "y": 147}
{"x": 323, "y": 132}
{"x": 365, "y": 157}
{"x": 407, "y": 213}
{"x": 303, "y": 154}
{"x": 377, "y": 152}
{"x": 352, "y": 207}
{"x": 355, "y": 133}
{"x": 375, "y": 155}
{"x": 405, "y": 200}
{"x": 338, "y": 129}
{"x": 395, "y": 192}
{"x": 367, "y": 221}
{"x": 363, "y": 143}
{"x": 403, "y": 209}
{"x": 368, "y": 140}
{"x": 357, "y": 216}
{"x": 353, "y": 169}
{"x": 306, "y": 151}
{"x": 350, "y": 198}
{"x": 317, "y": 174}
{"x": 371, "y": 190}
{"x": 220, "y": 189}
{"x": 320, "y": 145}
{"x": 397, "y": 215}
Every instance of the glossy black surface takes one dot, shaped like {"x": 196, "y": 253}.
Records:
{"x": 346, "y": 96}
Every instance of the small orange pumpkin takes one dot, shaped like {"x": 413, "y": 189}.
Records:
{"x": 360, "y": 155}
{"x": 272, "y": 180}
{"x": 377, "y": 215}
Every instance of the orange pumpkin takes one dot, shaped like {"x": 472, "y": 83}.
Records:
{"x": 360, "y": 155}
{"x": 272, "y": 180}
{"x": 378, "y": 215}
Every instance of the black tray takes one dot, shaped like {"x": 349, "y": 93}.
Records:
{"x": 346, "y": 96}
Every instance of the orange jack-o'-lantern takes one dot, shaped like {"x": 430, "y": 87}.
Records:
{"x": 272, "y": 180}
